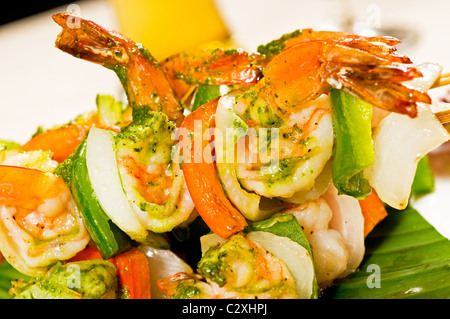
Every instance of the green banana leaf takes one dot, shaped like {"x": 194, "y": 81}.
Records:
{"x": 8, "y": 274}
{"x": 405, "y": 258}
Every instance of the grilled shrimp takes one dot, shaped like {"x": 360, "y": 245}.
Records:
{"x": 348, "y": 220}
{"x": 304, "y": 64}
{"x": 311, "y": 62}
{"x": 290, "y": 97}
{"x": 153, "y": 182}
{"x": 329, "y": 250}
{"x": 245, "y": 270}
{"x": 334, "y": 227}
{"x": 156, "y": 188}
{"x": 39, "y": 220}
{"x": 140, "y": 74}
{"x": 305, "y": 143}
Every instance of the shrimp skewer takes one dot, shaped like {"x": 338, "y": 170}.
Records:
{"x": 290, "y": 97}
{"x": 296, "y": 69}
{"x": 140, "y": 74}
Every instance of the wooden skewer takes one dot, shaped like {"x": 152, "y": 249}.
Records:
{"x": 188, "y": 94}
{"x": 443, "y": 79}
{"x": 443, "y": 116}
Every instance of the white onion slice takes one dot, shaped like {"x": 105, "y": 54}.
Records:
{"x": 297, "y": 259}
{"x": 399, "y": 143}
{"x": 162, "y": 263}
{"x": 430, "y": 72}
{"x": 104, "y": 176}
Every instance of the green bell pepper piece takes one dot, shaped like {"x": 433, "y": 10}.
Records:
{"x": 353, "y": 143}
{"x": 206, "y": 93}
{"x": 424, "y": 178}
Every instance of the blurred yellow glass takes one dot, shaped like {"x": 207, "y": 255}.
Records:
{"x": 166, "y": 27}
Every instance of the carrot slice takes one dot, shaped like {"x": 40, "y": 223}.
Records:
{"x": 61, "y": 141}
{"x": 202, "y": 180}
{"x": 89, "y": 253}
{"x": 133, "y": 273}
{"x": 132, "y": 270}
{"x": 373, "y": 211}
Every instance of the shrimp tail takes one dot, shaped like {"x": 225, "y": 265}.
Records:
{"x": 88, "y": 41}
{"x": 140, "y": 74}
{"x": 382, "y": 46}
{"x": 316, "y": 65}
{"x": 374, "y": 79}
{"x": 216, "y": 67}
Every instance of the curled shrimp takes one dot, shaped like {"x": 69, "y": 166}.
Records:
{"x": 158, "y": 194}
{"x": 367, "y": 67}
{"x": 153, "y": 182}
{"x": 140, "y": 74}
{"x": 245, "y": 269}
{"x": 304, "y": 142}
{"x": 349, "y": 221}
{"x": 334, "y": 226}
{"x": 329, "y": 250}
{"x": 39, "y": 220}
